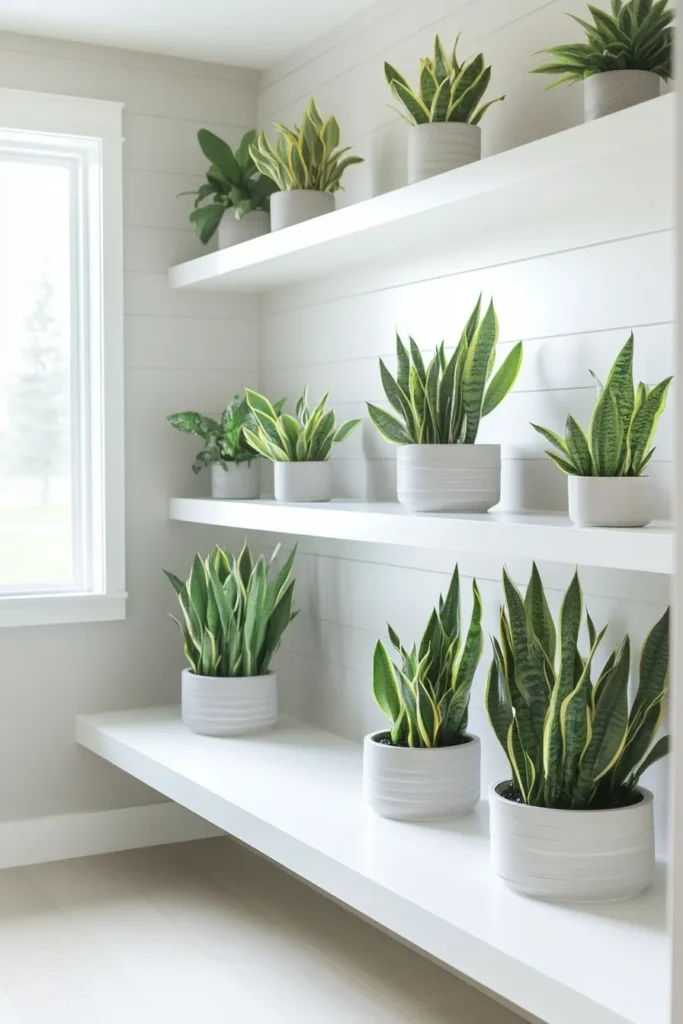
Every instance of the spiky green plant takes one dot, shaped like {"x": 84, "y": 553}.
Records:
{"x": 224, "y": 442}
{"x": 448, "y": 90}
{"x": 444, "y": 402}
{"x": 234, "y": 612}
{"x": 306, "y": 157}
{"x": 622, "y": 426}
{"x": 306, "y": 437}
{"x": 427, "y": 698}
{"x": 572, "y": 742}
{"x": 636, "y": 36}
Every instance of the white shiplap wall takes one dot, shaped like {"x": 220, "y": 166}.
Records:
{"x": 573, "y": 309}
{"x": 182, "y": 351}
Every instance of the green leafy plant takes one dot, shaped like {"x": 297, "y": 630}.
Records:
{"x": 444, "y": 402}
{"x": 234, "y": 612}
{"x": 306, "y": 437}
{"x": 621, "y": 429}
{"x": 233, "y": 182}
{"x": 572, "y": 742}
{"x": 427, "y": 697}
{"x": 636, "y": 36}
{"x": 448, "y": 90}
{"x": 224, "y": 441}
{"x": 306, "y": 157}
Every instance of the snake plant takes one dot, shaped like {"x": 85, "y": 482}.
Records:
{"x": 306, "y": 437}
{"x": 427, "y": 698}
{"x": 636, "y": 35}
{"x": 572, "y": 741}
{"x": 224, "y": 442}
{"x": 621, "y": 429}
{"x": 306, "y": 157}
{"x": 448, "y": 90}
{"x": 443, "y": 403}
{"x": 234, "y": 612}
{"x": 233, "y": 183}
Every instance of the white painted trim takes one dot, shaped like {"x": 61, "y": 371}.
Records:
{"x": 62, "y": 837}
{"x": 61, "y": 609}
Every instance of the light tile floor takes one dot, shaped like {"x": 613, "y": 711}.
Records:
{"x": 206, "y": 933}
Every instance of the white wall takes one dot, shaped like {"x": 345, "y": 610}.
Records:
{"x": 182, "y": 351}
{"x": 573, "y": 310}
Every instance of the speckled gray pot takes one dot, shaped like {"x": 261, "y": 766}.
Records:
{"x": 297, "y": 205}
{"x": 615, "y": 90}
{"x": 215, "y": 706}
{"x": 441, "y": 146}
{"x": 232, "y": 231}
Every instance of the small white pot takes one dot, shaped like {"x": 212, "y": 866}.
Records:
{"x": 215, "y": 706}
{"x": 240, "y": 481}
{"x": 298, "y": 204}
{"x": 448, "y": 477}
{"x": 441, "y": 146}
{"x": 416, "y": 784}
{"x": 610, "y": 91}
{"x": 232, "y": 231}
{"x": 610, "y": 500}
{"x": 303, "y": 481}
{"x": 573, "y": 856}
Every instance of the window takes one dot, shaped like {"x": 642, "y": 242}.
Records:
{"x": 61, "y": 391}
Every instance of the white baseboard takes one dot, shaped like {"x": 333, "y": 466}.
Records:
{"x": 61, "y": 837}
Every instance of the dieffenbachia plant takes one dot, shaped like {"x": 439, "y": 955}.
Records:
{"x": 636, "y": 35}
{"x": 448, "y": 90}
{"x": 306, "y": 437}
{"x": 622, "y": 427}
{"x": 427, "y": 697}
{"x": 224, "y": 442}
{"x": 234, "y": 612}
{"x": 571, "y": 740}
{"x": 444, "y": 402}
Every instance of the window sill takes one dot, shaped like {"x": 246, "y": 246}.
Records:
{"x": 58, "y": 609}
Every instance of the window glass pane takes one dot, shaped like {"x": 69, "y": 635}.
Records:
{"x": 36, "y": 507}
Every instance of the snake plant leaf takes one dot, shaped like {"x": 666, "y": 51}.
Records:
{"x": 442, "y": 66}
{"x": 428, "y": 721}
{"x": 468, "y": 90}
{"x": 497, "y": 697}
{"x": 606, "y": 435}
{"x": 609, "y": 729}
{"x": 450, "y": 608}
{"x": 639, "y": 741}
{"x": 429, "y": 86}
{"x": 578, "y": 448}
{"x": 503, "y": 380}
{"x": 620, "y": 383}
{"x": 474, "y": 644}
{"x": 288, "y": 429}
{"x": 392, "y": 75}
{"x": 519, "y": 762}
{"x": 345, "y": 429}
{"x": 527, "y": 652}
{"x": 574, "y": 727}
{"x": 474, "y": 372}
{"x": 403, "y": 364}
{"x": 554, "y": 740}
{"x": 418, "y": 401}
{"x": 538, "y": 613}
{"x": 472, "y": 322}
{"x": 645, "y": 420}
{"x": 564, "y": 464}
{"x": 479, "y": 113}
{"x": 396, "y": 398}
{"x": 416, "y": 109}
{"x": 659, "y": 750}
{"x": 653, "y": 668}
{"x": 438, "y": 110}
{"x": 176, "y": 583}
{"x": 389, "y": 427}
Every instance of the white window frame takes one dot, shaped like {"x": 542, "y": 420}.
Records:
{"x": 97, "y": 125}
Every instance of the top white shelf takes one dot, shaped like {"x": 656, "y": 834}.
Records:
{"x": 525, "y": 199}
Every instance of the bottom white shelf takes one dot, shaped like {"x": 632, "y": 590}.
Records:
{"x": 295, "y": 795}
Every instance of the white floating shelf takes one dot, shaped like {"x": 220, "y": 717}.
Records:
{"x": 525, "y": 199}
{"x": 546, "y": 537}
{"x": 295, "y": 795}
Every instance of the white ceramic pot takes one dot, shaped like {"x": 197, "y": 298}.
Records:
{"x": 232, "y": 231}
{"x": 215, "y": 706}
{"x": 610, "y": 91}
{"x": 610, "y": 500}
{"x": 573, "y": 856}
{"x": 240, "y": 481}
{"x": 419, "y": 784}
{"x": 448, "y": 477}
{"x": 441, "y": 146}
{"x": 303, "y": 481}
{"x": 298, "y": 204}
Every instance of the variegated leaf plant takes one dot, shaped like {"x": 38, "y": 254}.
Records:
{"x": 622, "y": 427}
{"x": 427, "y": 697}
{"x": 306, "y": 437}
{"x": 572, "y": 741}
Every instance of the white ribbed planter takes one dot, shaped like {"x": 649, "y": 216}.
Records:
{"x": 298, "y": 204}
{"x": 240, "y": 481}
{"x": 610, "y": 91}
{"x": 441, "y": 146}
{"x": 232, "y": 231}
{"x": 215, "y": 706}
{"x": 416, "y": 784}
{"x": 303, "y": 481}
{"x": 610, "y": 500}
{"x": 448, "y": 477}
{"x": 573, "y": 856}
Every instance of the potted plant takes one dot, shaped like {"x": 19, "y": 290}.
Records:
{"x": 605, "y": 467}
{"x": 233, "y": 462}
{"x": 299, "y": 446}
{"x": 306, "y": 164}
{"x": 234, "y": 613}
{"x": 444, "y": 110}
{"x": 427, "y": 765}
{"x": 626, "y": 54}
{"x": 439, "y": 466}
{"x": 572, "y": 822}
{"x": 235, "y": 199}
